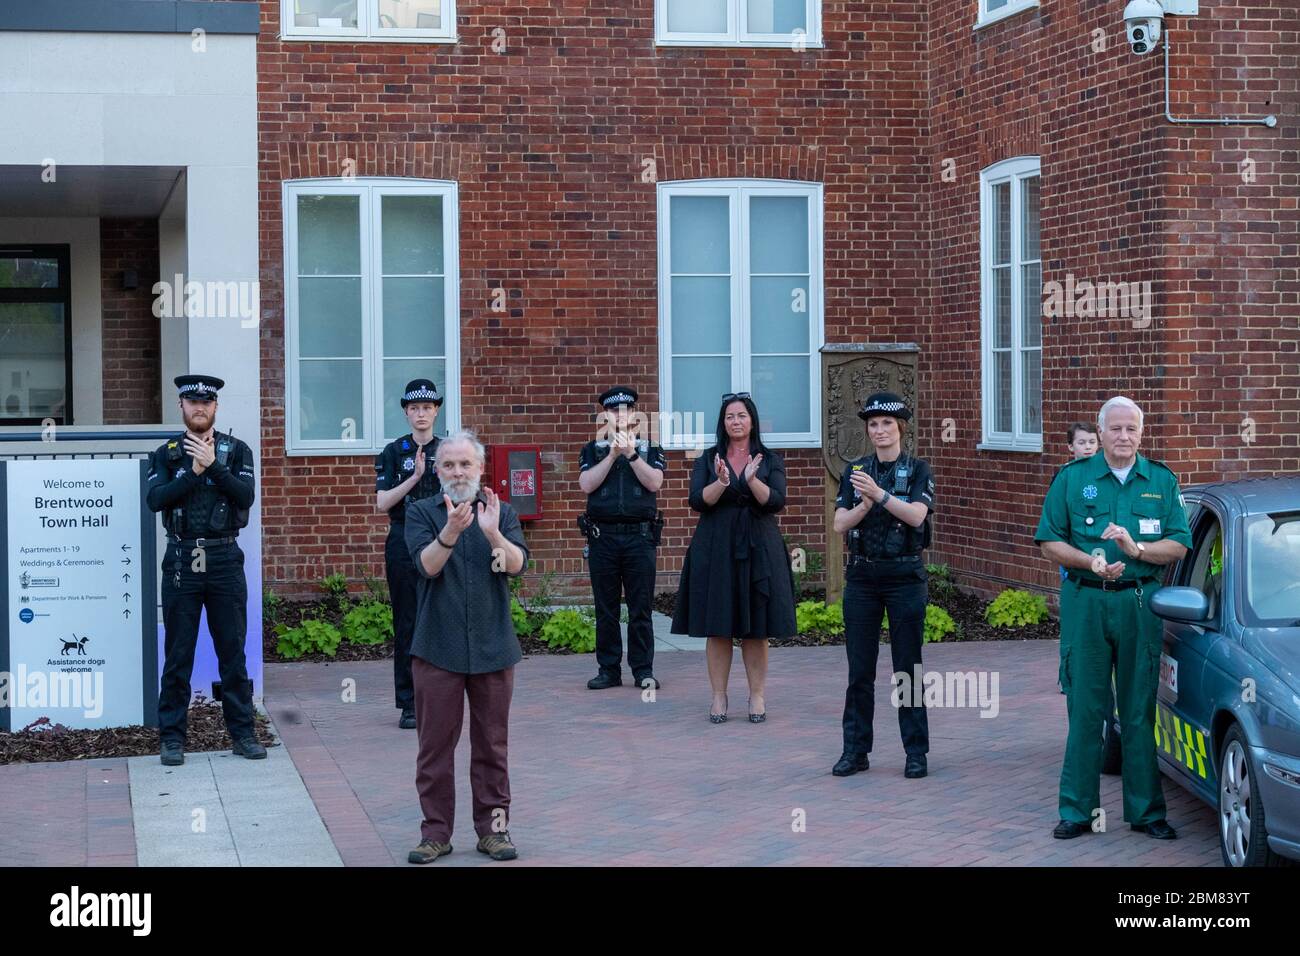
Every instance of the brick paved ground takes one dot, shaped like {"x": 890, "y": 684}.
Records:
{"x": 76, "y": 813}
{"x": 602, "y": 777}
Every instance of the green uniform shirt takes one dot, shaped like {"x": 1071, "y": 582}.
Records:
{"x": 1086, "y": 496}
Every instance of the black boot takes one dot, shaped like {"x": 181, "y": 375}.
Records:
{"x": 605, "y": 680}
{"x": 849, "y": 764}
{"x": 915, "y": 766}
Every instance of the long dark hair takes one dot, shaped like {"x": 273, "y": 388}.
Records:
{"x": 756, "y": 445}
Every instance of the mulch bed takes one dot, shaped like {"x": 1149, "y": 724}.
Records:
{"x": 967, "y": 612}
{"x": 45, "y": 742}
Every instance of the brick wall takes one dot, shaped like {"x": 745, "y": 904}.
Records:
{"x": 547, "y": 143}
{"x": 1125, "y": 197}
{"x": 130, "y": 331}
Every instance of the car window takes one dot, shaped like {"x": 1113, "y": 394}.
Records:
{"x": 1273, "y": 569}
{"x": 1205, "y": 572}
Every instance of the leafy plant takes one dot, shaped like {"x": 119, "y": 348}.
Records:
{"x": 520, "y": 617}
{"x": 938, "y": 624}
{"x": 571, "y": 629}
{"x": 377, "y": 588}
{"x": 1016, "y": 608}
{"x": 272, "y": 606}
{"x": 369, "y": 622}
{"x": 942, "y": 585}
{"x": 311, "y": 636}
{"x": 818, "y": 617}
{"x": 813, "y": 564}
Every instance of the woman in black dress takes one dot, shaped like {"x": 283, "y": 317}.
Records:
{"x": 736, "y": 581}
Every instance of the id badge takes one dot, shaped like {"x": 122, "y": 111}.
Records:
{"x": 1148, "y": 526}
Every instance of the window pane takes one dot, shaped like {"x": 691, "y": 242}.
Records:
{"x": 701, "y": 314}
{"x": 1002, "y": 308}
{"x": 991, "y": 5}
{"x": 33, "y": 367}
{"x": 413, "y": 317}
{"x": 777, "y": 16}
{"x": 700, "y": 235}
{"x": 697, "y": 16}
{"x": 1031, "y": 313}
{"x": 1029, "y": 218}
{"x": 325, "y": 13}
{"x": 1033, "y": 379}
{"x": 329, "y": 235}
{"x": 397, "y": 372}
{"x": 329, "y": 318}
{"x": 22, "y": 272}
{"x": 1002, "y": 391}
{"x": 781, "y": 392}
{"x": 778, "y": 234}
{"x": 1001, "y": 223}
{"x": 412, "y": 235}
{"x": 779, "y": 313}
{"x": 330, "y": 400}
{"x": 410, "y": 14}
{"x": 698, "y": 387}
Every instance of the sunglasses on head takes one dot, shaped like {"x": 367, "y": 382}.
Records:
{"x": 730, "y": 396}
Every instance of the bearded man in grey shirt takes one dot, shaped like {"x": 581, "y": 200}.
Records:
{"x": 465, "y": 543}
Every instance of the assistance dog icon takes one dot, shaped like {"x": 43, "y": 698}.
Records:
{"x": 76, "y": 644}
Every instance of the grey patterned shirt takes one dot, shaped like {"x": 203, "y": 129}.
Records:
{"x": 462, "y": 622}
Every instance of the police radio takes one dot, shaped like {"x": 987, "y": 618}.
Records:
{"x": 175, "y": 517}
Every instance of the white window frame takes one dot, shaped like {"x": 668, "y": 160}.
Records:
{"x": 1012, "y": 171}
{"x": 365, "y": 31}
{"x": 371, "y": 189}
{"x": 986, "y": 17}
{"x": 737, "y": 34}
{"x": 736, "y": 190}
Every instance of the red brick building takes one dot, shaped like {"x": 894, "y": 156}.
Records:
{"x": 535, "y": 202}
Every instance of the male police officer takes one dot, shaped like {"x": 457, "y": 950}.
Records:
{"x": 620, "y": 476}
{"x": 1113, "y": 521}
{"x": 202, "y": 482}
{"x": 405, "y": 473}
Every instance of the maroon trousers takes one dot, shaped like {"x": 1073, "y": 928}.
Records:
{"x": 439, "y": 713}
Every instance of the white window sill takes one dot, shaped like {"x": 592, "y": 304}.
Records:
{"x": 1032, "y": 449}
{"x": 723, "y": 44}
{"x": 688, "y": 446}
{"x": 361, "y": 38}
{"x": 357, "y": 450}
{"x": 1003, "y": 14}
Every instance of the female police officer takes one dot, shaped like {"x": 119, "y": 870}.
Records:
{"x": 884, "y": 502}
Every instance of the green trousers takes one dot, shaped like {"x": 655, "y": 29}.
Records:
{"x": 1101, "y": 631}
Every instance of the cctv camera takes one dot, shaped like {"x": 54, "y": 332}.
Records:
{"x": 1143, "y": 19}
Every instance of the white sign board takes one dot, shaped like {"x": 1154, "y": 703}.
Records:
{"x": 76, "y": 568}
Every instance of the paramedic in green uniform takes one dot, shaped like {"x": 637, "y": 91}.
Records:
{"x": 1113, "y": 521}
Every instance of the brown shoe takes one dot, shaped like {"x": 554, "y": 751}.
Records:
{"x": 428, "y": 851}
{"x": 498, "y": 846}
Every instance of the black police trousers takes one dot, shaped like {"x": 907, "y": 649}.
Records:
{"x": 403, "y": 578}
{"x": 220, "y": 588}
{"x": 871, "y": 590}
{"x": 623, "y": 561}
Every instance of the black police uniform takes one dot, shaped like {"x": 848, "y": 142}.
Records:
{"x": 203, "y": 567}
{"x": 623, "y": 531}
{"x": 885, "y": 573}
{"x": 394, "y": 465}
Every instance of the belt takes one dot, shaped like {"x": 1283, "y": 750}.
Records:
{"x": 1123, "y": 585}
{"x": 859, "y": 559}
{"x": 201, "y": 542}
{"x": 623, "y": 527}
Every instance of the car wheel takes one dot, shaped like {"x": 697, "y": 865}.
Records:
{"x": 1112, "y": 753}
{"x": 1242, "y": 836}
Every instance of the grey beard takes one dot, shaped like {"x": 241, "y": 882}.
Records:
{"x": 462, "y": 491}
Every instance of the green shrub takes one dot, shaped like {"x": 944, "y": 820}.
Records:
{"x": 938, "y": 623}
{"x": 377, "y": 588}
{"x": 1016, "y": 608}
{"x": 369, "y": 623}
{"x": 335, "y": 585}
{"x": 571, "y": 629}
{"x": 519, "y": 617}
{"x": 312, "y": 636}
{"x": 272, "y": 606}
{"x": 942, "y": 585}
{"x": 817, "y": 616}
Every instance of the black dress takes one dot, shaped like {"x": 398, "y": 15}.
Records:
{"x": 736, "y": 580}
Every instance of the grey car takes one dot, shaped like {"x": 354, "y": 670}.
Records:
{"x": 1228, "y": 705}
